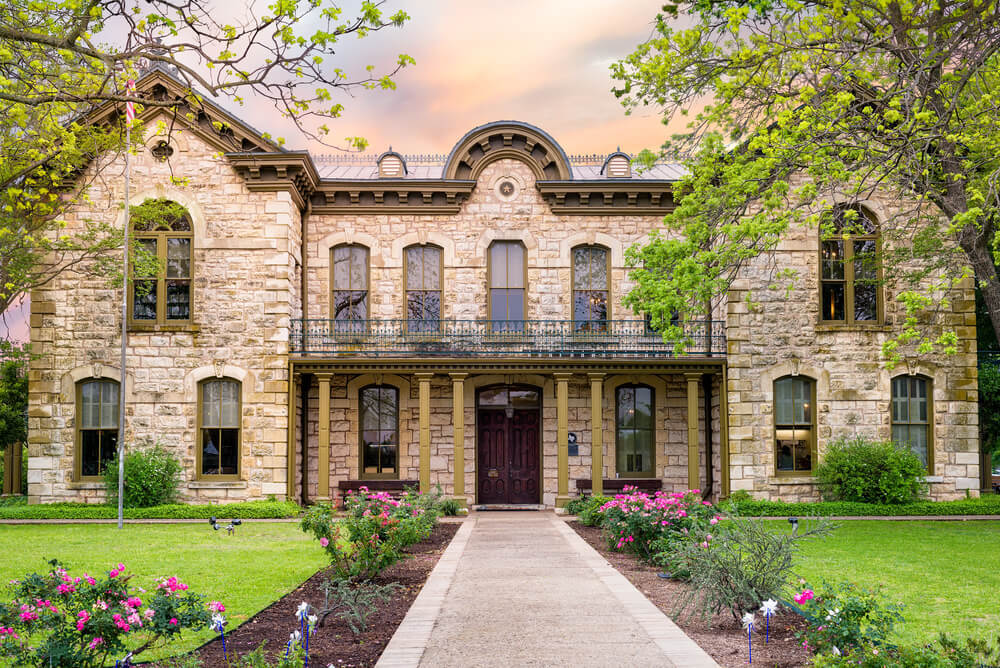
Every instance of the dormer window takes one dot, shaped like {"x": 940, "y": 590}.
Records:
{"x": 391, "y": 165}
{"x": 617, "y": 166}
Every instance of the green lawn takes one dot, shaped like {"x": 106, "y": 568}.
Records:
{"x": 947, "y": 574}
{"x": 246, "y": 571}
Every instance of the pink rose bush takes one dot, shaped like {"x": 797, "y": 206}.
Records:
{"x": 847, "y": 621}
{"x": 374, "y": 531}
{"x": 55, "y": 619}
{"x": 645, "y": 524}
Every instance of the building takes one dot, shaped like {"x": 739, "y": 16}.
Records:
{"x": 456, "y": 320}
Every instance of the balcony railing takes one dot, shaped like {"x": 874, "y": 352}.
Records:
{"x": 500, "y": 338}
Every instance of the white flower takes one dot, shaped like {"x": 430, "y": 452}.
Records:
{"x": 303, "y": 610}
{"x": 833, "y": 613}
{"x": 748, "y": 620}
{"x": 311, "y": 620}
{"x": 836, "y": 651}
{"x": 769, "y": 607}
{"x": 294, "y": 638}
{"x": 218, "y": 622}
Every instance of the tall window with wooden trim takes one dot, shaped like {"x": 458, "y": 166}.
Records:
{"x": 591, "y": 288}
{"x": 508, "y": 277}
{"x": 164, "y": 294}
{"x": 850, "y": 270}
{"x": 349, "y": 281}
{"x": 911, "y": 411}
{"x": 423, "y": 269}
{"x": 635, "y": 431}
{"x": 219, "y": 418}
{"x": 96, "y": 427}
{"x": 379, "y": 437}
{"x": 794, "y": 424}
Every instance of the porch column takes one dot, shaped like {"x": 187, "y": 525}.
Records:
{"x": 562, "y": 436}
{"x": 724, "y": 432}
{"x": 596, "y": 433}
{"x": 458, "y": 429}
{"x": 323, "y": 483}
{"x": 425, "y": 430}
{"x": 693, "y": 464}
{"x": 293, "y": 383}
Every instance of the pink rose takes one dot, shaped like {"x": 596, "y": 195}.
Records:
{"x": 173, "y": 620}
{"x": 806, "y": 595}
{"x": 324, "y": 541}
{"x": 216, "y": 606}
{"x": 95, "y": 642}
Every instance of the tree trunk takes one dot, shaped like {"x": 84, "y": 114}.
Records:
{"x": 973, "y": 243}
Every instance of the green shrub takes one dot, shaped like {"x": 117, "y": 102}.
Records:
{"x": 354, "y": 602}
{"x": 449, "y": 507}
{"x": 737, "y": 565}
{"x": 868, "y": 471}
{"x": 152, "y": 477}
{"x": 986, "y": 505}
{"x": 638, "y": 522}
{"x": 945, "y": 653}
{"x": 846, "y": 617}
{"x": 739, "y": 496}
{"x": 590, "y": 513}
{"x": 246, "y": 510}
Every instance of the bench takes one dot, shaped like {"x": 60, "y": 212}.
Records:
{"x": 395, "y": 488}
{"x": 616, "y": 485}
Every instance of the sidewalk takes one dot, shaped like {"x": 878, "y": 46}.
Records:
{"x": 522, "y": 589}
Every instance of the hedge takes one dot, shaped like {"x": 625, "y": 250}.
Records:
{"x": 986, "y": 505}
{"x": 247, "y": 510}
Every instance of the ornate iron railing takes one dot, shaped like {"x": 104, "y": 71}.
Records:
{"x": 500, "y": 338}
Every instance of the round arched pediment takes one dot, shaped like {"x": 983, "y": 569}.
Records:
{"x": 507, "y": 139}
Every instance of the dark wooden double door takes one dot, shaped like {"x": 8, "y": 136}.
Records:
{"x": 509, "y": 461}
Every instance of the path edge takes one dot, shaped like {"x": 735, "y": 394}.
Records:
{"x": 672, "y": 641}
{"x": 407, "y": 645}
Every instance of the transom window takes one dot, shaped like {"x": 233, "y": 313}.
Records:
{"x": 349, "y": 299}
{"x": 634, "y": 430}
{"x": 911, "y": 412}
{"x": 423, "y": 288}
{"x": 379, "y": 408}
{"x": 849, "y": 272}
{"x": 219, "y": 454}
{"x": 794, "y": 424}
{"x": 163, "y": 230}
{"x": 97, "y": 426}
{"x": 590, "y": 288}
{"x": 508, "y": 277}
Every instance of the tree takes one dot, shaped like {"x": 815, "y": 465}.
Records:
{"x": 13, "y": 409}
{"x": 795, "y": 104}
{"x": 59, "y": 61}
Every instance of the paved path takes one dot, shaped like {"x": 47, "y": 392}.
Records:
{"x": 523, "y": 589}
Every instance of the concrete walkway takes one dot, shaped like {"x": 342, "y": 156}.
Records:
{"x": 523, "y": 589}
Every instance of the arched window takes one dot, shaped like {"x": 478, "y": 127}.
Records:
{"x": 635, "y": 430}
{"x": 423, "y": 268}
{"x": 508, "y": 278}
{"x": 96, "y": 427}
{"x": 349, "y": 282}
{"x": 795, "y": 424}
{"x": 219, "y": 421}
{"x": 379, "y": 431}
{"x": 850, "y": 267}
{"x": 591, "y": 288}
{"x": 911, "y": 413}
{"x": 163, "y": 294}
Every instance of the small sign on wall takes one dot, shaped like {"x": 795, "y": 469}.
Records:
{"x": 574, "y": 447}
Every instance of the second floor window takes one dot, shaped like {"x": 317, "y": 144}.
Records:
{"x": 590, "y": 288}
{"x": 349, "y": 298}
{"x": 508, "y": 278}
{"x": 849, "y": 267}
{"x": 163, "y": 230}
{"x": 423, "y": 288}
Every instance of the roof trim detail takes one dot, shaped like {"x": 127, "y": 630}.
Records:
{"x": 507, "y": 139}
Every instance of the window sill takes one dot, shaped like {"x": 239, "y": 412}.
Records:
{"x": 85, "y": 484}
{"x": 852, "y": 327}
{"x": 164, "y": 327}
{"x": 933, "y": 478}
{"x": 217, "y": 484}
{"x": 797, "y": 479}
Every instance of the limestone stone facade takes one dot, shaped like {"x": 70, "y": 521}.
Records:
{"x": 265, "y": 222}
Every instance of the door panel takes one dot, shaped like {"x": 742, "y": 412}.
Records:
{"x": 508, "y": 459}
{"x": 524, "y": 448}
{"x": 491, "y": 469}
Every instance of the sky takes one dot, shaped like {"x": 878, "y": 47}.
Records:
{"x": 545, "y": 62}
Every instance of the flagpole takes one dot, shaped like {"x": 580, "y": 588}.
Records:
{"x": 129, "y": 117}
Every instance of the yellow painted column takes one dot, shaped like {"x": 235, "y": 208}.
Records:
{"x": 425, "y": 431}
{"x": 323, "y": 481}
{"x": 724, "y": 431}
{"x": 596, "y": 433}
{"x": 458, "y": 425}
{"x": 562, "y": 436}
{"x": 293, "y": 384}
{"x": 694, "y": 465}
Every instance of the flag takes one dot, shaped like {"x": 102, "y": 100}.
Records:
{"x": 130, "y": 106}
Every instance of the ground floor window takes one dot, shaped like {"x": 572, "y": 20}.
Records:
{"x": 794, "y": 424}
{"x": 97, "y": 426}
{"x": 911, "y": 415}
{"x": 220, "y": 428}
{"x": 634, "y": 430}
{"x": 379, "y": 408}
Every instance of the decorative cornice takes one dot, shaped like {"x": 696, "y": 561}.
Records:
{"x": 498, "y": 365}
{"x": 292, "y": 172}
{"x": 608, "y": 197}
{"x": 392, "y": 196}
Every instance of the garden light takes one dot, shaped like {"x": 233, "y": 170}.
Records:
{"x": 794, "y": 521}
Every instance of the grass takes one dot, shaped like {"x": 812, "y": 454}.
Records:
{"x": 246, "y": 571}
{"x": 947, "y": 574}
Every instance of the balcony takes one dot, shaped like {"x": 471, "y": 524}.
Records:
{"x": 500, "y": 338}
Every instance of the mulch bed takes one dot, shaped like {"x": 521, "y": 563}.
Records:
{"x": 721, "y": 636}
{"x": 333, "y": 643}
